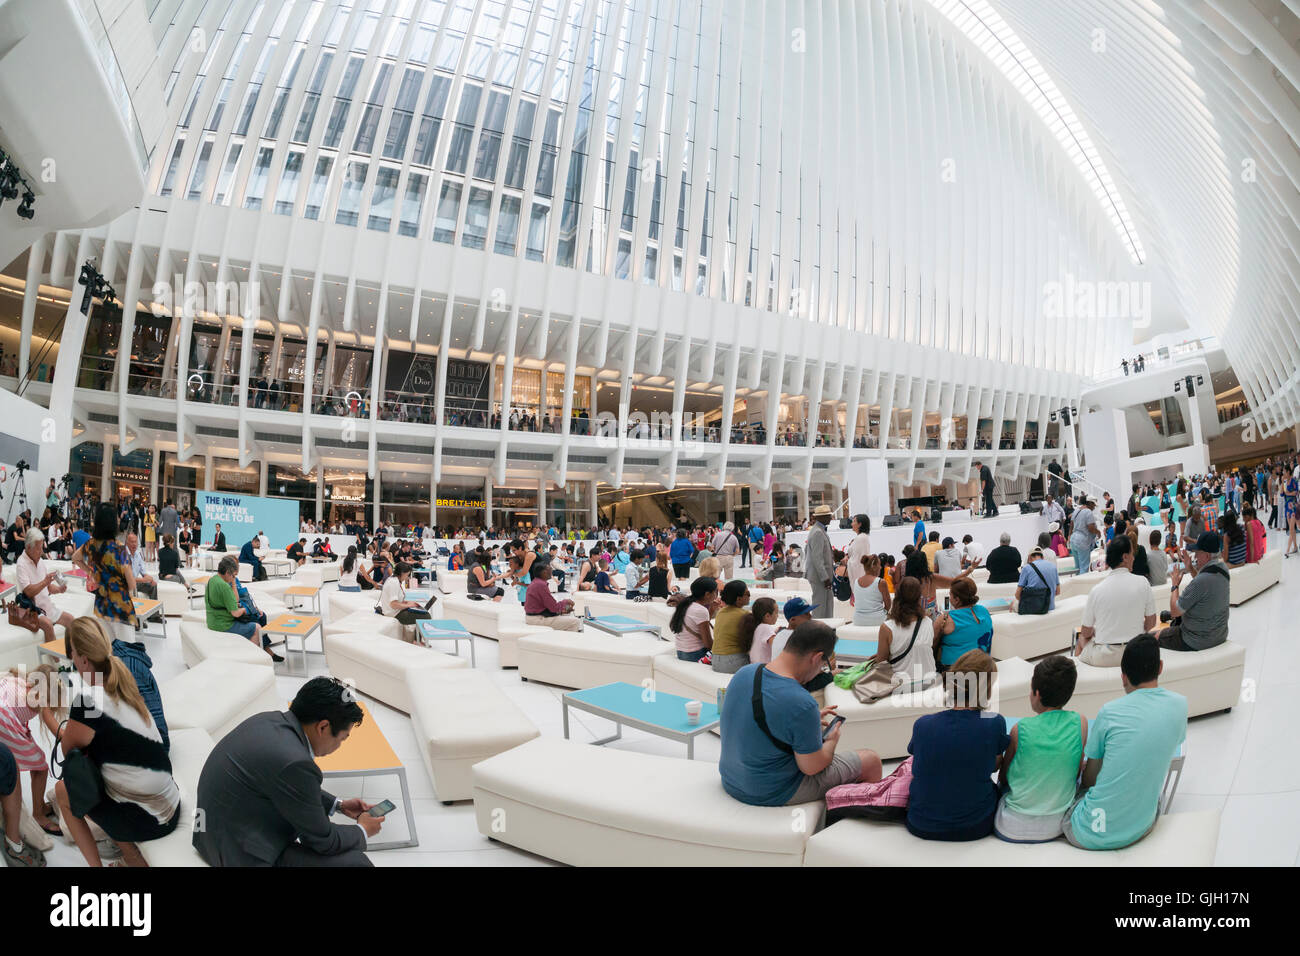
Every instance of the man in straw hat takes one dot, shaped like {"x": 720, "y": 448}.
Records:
{"x": 819, "y": 562}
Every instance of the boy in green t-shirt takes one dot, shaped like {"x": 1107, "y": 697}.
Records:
{"x": 1040, "y": 771}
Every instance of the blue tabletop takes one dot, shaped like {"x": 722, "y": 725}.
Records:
{"x": 996, "y": 604}
{"x": 441, "y": 627}
{"x": 844, "y": 647}
{"x": 662, "y": 710}
{"x": 620, "y": 623}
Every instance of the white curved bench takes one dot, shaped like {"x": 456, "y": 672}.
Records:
{"x": 588, "y": 658}
{"x": 508, "y": 636}
{"x": 1033, "y": 635}
{"x": 200, "y": 644}
{"x": 18, "y": 646}
{"x": 343, "y": 603}
{"x": 451, "y": 582}
{"x": 363, "y": 622}
{"x": 1179, "y": 839}
{"x": 1252, "y": 579}
{"x": 598, "y": 806}
{"x": 1209, "y": 679}
{"x": 217, "y": 695}
{"x": 1077, "y": 584}
{"x": 886, "y": 725}
{"x": 175, "y": 598}
{"x": 461, "y": 717}
{"x": 190, "y": 749}
{"x": 689, "y": 679}
{"x": 378, "y": 666}
{"x": 484, "y": 618}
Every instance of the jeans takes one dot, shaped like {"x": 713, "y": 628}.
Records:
{"x": 1082, "y": 554}
{"x": 692, "y": 655}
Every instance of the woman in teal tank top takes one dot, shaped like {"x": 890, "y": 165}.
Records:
{"x": 1041, "y": 767}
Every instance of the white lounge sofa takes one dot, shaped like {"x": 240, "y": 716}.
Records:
{"x": 218, "y": 695}
{"x": 175, "y": 598}
{"x": 1077, "y": 584}
{"x": 190, "y": 749}
{"x": 379, "y": 666}
{"x": 886, "y": 725}
{"x": 343, "y": 603}
{"x": 1253, "y": 579}
{"x": 460, "y": 717}
{"x": 200, "y": 644}
{"x": 1033, "y": 635}
{"x": 1178, "y": 840}
{"x": 1209, "y": 679}
{"x": 18, "y": 646}
{"x": 508, "y": 636}
{"x": 362, "y": 622}
{"x": 598, "y": 806}
{"x": 689, "y": 679}
{"x": 588, "y": 658}
{"x": 484, "y": 618}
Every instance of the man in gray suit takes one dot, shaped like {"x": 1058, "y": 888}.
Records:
{"x": 260, "y": 801}
{"x": 168, "y": 520}
{"x": 819, "y": 563}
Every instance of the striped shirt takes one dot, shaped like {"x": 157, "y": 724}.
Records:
{"x": 15, "y": 724}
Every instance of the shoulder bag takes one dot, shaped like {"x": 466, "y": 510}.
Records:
{"x": 760, "y": 717}
{"x": 80, "y": 775}
{"x": 880, "y": 680}
{"x": 1035, "y": 600}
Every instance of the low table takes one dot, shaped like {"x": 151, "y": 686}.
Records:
{"x": 146, "y": 608}
{"x": 304, "y": 591}
{"x": 367, "y": 753}
{"x": 446, "y": 629}
{"x": 619, "y": 625}
{"x": 996, "y": 605}
{"x": 663, "y": 715}
{"x": 854, "y": 651}
{"x": 6, "y": 590}
{"x": 196, "y": 587}
{"x": 301, "y": 626}
{"x": 56, "y": 650}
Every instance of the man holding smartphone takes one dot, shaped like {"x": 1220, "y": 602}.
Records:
{"x": 260, "y": 801}
{"x": 775, "y": 749}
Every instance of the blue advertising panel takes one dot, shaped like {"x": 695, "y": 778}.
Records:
{"x": 242, "y": 516}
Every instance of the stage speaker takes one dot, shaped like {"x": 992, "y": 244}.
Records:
{"x": 936, "y": 515}
{"x": 1027, "y": 508}
{"x": 892, "y": 521}
{"x": 846, "y": 523}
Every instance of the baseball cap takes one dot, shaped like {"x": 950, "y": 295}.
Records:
{"x": 1209, "y": 541}
{"x": 796, "y": 606}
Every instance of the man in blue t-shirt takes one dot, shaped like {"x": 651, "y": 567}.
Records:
{"x": 918, "y": 529}
{"x": 1046, "y": 576}
{"x": 1129, "y": 748}
{"x": 773, "y": 753}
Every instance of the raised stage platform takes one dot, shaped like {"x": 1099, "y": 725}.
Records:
{"x": 1024, "y": 531}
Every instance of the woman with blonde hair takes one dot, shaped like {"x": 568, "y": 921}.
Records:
{"x": 110, "y": 723}
{"x": 710, "y": 567}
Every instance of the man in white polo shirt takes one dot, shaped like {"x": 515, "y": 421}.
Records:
{"x": 1118, "y": 609}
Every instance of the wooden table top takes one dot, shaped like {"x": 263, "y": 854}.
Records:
{"x": 56, "y": 648}
{"x": 365, "y": 749}
{"x": 302, "y": 590}
{"x": 145, "y": 606}
{"x": 297, "y": 624}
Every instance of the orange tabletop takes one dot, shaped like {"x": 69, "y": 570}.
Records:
{"x": 56, "y": 648}
{"x": 144, "y": 606}
{"x": 365, "y": 749}
{"x": 299, "y": 625}
{"x": 195, "y": 582}
{"x": 302, "y": 590}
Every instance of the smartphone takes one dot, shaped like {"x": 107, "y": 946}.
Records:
{"x": 382, "y": 809}
{"x": 835, "y": 722}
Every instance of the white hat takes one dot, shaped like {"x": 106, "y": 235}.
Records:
{"x": 1054, "y": 527}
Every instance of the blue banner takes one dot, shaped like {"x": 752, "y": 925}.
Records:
{"x": 242, "y": 516}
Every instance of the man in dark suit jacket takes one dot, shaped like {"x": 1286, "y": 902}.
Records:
{"x": 218, "y": 539}
{"x": 248, "y": 555}
{"x": 260, "y": 801}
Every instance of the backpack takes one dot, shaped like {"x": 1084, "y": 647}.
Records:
{"x": 1035, "y": 600}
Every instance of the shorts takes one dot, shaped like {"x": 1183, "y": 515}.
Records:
{"x": 692, "y": 655}
{"x": 729, "y": 663}
{"x": 1171, "y": 639}
{"x": 8, "y": 771}
{"x": 129, "y": 822}
{"x": 1013, "y": 826}
{"x": 1102, "y": 655}
{"x": 844, "y": 768}
{"x": 1067, "y": 825}
{"x": 245, "y": 629}
{"x": 354, "y": 589}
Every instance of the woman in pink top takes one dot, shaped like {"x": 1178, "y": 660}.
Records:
{"x": 1256, "y": 535}
{"x": 18, "y": 695}
{"x": 692, "y": 620}
{"x": 758, "y": 628}
{"x": 769, "y": 542}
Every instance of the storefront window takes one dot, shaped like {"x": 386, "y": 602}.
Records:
{"x": 228, "y": 476}
{"x": 181, "y": 480}
{"x": 460, "y": 505}
{"x": 86, "y": 469}
{"x": 348, "y": 496}
{"x": 286, "y": 481}
{"x": 570, "y": 506}
{"x": 514, "y": 509}
{"x": 130, "y": 475}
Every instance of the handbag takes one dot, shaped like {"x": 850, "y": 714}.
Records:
{"x": 880, "y": 681}
{"x": 841, "y": 588}
{"x": 884, "y": 800}
{"x": 23, "y": 612}
{"x": 1035, "y": 600}
{"x": 81, "y": 777}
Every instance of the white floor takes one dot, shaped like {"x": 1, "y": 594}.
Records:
{"x": 1239, "y": 762}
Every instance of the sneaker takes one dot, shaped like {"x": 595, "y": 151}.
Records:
{"x": 28, "y": 856}
{"x": 278, "y": 658}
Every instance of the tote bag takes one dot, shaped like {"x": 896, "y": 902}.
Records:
{"x": 880, "y": 680}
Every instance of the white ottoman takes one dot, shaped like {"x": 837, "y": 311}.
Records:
{"x": 378, "y": 666}
{"x": 363, "y": 622}
{"x": 1033, "y": 635}
{"x": 588, "y": 658}
{"x": 200, "y": 644}
{"x": 508, "y": 641}
{"x": 218, "y": 695}
{"x": 597, "y": 806}
{"x": 190, "y": 749}
{"x": 18, "y": 646}
{"x": 461, "y": 717}
{"x": 175, "y": 598}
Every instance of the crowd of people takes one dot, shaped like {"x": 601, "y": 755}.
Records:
{"x": 972, "y": 772}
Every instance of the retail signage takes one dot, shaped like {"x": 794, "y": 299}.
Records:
{"x": 242, "y": 516}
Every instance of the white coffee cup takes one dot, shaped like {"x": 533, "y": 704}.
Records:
{"x": 693, "y": 708}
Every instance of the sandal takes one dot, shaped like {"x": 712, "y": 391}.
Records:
{"x": 49, "y": 821}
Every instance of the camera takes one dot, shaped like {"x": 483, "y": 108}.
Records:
{"x": 22, "y": 466}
